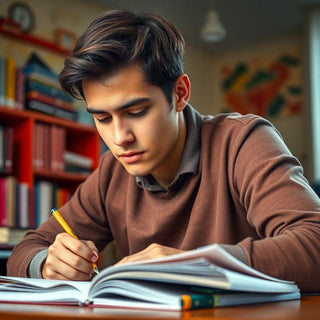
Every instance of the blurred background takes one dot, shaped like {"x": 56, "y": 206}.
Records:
{"x": 246, "y": 56}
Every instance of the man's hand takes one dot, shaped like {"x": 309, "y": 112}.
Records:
{"x": 153, "y": 251}
{"x": 70, "y": 259}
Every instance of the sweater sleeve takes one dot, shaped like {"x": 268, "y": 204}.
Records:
{"x": 280, "y": 205}
{"x": 85, "y": 213}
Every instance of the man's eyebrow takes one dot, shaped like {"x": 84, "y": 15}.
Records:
{"x": 127, "y": 105}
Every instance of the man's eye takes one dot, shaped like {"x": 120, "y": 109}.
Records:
{"x": 103, "y": 118}
{"x": 138, "y": 113}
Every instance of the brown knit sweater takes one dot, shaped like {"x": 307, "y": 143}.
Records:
{"x": 248, "y": 190}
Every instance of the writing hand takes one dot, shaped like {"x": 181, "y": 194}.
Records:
{"x": 153, "y": 251}
{"x": 70, "y": 259}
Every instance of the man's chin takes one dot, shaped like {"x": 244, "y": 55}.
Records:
{"x": 137, "y": 172}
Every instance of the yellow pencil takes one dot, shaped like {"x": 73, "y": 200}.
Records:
{"x": 67, "y": 229}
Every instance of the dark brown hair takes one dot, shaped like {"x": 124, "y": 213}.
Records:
{"x": 118, "y": 38}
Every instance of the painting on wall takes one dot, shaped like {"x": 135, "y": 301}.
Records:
{"x": 266, "y": 87}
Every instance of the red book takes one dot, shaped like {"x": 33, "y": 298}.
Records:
{"x": 20, "y": 97}
{"x": 3, "y": 209}
{"x": 62, "y": 147}
{"x": 8, "y": 149}
{"x": 46, "y": 147}
{"x": 56, "y": 102}
{"x": 54, "y": 148}
{"x": 38, "y": 145}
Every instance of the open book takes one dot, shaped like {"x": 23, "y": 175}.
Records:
{"x": 200, "y": 278}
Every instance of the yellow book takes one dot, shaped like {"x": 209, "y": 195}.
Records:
{"x": 10, "y": 82}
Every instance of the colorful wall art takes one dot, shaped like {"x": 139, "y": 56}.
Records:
{"x": 266, "y": 87}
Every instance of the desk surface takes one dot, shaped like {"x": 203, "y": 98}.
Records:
{"x": 306, "y": 308}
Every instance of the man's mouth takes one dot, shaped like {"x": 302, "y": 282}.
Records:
{"x": 131, "y": 157}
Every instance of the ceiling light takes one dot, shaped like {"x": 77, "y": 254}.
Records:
{"x": 213, "y": 29}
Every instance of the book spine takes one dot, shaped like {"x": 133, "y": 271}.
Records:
{"x": 39, "y": 106}
{"x": 62, "y": 147}
{"x": 35, "y": 95}
{"x": 1, "y": 148}
{"x": 50, "y": 91}
{"x": 10, "y": 83}
{"x": 3, "y": 73}
{"x": 41, "y": 77}
{"x": 3, "y": 209}
{"x": 22, "y": 206}
{"x": 51, "y": 110}
{"x": 20, "y": 97}
{"x": 54, "y": 148}
{"x": 77, "y": 160}
{"x": 46, "y": 147}
{"x": 11, "y": 186}
{"x": 197, "y": 301}
{"x": 8, "y": 150}
{"x": 43, "y": 201}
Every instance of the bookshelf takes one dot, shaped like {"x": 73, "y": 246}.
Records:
{"x": 79, "y": 138}
{"x": 12, "y": 30}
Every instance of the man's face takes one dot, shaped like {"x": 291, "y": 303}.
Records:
{"x": 137, "y": 123}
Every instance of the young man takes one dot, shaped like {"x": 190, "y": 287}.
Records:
{"x": 174, "y": 180}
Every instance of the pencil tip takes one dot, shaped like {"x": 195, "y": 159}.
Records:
{"x": 96, "y": 270}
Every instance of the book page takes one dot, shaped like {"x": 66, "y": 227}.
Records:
{"x": 43, "y": 290}
{"x": 215, "y": 254}
{"x": 195, "y": 272}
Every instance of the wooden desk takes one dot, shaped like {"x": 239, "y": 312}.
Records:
{"x": 306, "y": 308}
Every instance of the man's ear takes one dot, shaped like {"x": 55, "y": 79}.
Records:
{"x": 182, "y": 91}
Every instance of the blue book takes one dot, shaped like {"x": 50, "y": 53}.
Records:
{"x": 32, "y": 85}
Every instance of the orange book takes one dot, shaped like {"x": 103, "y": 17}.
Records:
{"x": 11, "y": 83}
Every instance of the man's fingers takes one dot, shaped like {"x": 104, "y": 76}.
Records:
{"x": 94, "y": 251}
{"x": 153, "y": 251}
{"x": 69, "y": 258}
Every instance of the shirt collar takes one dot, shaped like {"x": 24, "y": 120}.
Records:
{"x": 190, "y": 158}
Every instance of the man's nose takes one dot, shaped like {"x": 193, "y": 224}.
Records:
{"x": 122, "y": 133}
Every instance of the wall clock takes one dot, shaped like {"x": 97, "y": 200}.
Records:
{"x": 20, "y": 12}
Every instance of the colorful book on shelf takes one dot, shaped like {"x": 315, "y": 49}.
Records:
{"x": 57, "y": 146}
{"x": 24, "y": 219}
{"x": 47, "y": 195}
{"x": 1, "y": 148}
{"x": 11, "y": 236}
{"x": 46, "y": 146}
{"x": 60, "y": 196}
{"x": 3, "y": 207}
{"x": 36, "y": 65}
{"x": 43, "y": 192}
{"x": 37, "y": 146}
{"x": 20, "y": 94}
{"x": 49, "y": 109}
{"x": 11, "y": 83}
{"x": 53, "y": 92}
{"x": 11, "y": 200}
{"x": 77, "y": 160}
{"x": 43, "y": 78}
{"x": 201, "y": 278}
{"x": 56, "y": 102}
{"x": 7, "y": 148}
{"x": 3, "y": 75}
